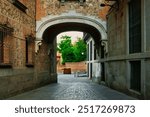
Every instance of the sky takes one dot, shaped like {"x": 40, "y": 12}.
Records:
{"x": 73, "y": 34}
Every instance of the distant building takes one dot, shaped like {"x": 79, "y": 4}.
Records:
{"x": 128, "y": 59}
{"x": 94, "y": 67}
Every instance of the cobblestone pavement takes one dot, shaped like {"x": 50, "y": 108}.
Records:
{"x": 71, "y": 88}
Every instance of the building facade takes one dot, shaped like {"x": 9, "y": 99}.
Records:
{"x": 57, "y": 16}
{"x": 17, "y": 35}
{"x": 92, "y": 62}
{"x": 128, "y": 60}
{"x": 28, "y": 30}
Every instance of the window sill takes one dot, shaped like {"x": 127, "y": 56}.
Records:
{"x": 29, "y": 65}
{"x": 5, "y": 65}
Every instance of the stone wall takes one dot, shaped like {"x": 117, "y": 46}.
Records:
{"x": 54, "y": 7}
{"x": 22, "y": 23}
{"x": 147, "y": 45}
{"x": 90, "y": 13}
{"x": 16, "y": 81}
{"x": 75, "y": 67}
{"x": 117, "y": 31}
{"x": 18, "y": 77}
{"x": 118, "y": 63}
{"x": 116, "y": 75}
{"x": 147, "y": 28}
{"x": 45, "y": 63}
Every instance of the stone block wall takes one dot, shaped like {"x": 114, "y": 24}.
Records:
{"x": 146, "y": 26}
{"x": 147, "y": 50}
{"x": 18, "y": 77}
{"x": 54, "y": 7}
{"x": 23, "y": 24}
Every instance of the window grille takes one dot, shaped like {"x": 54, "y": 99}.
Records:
{"x": 5, "y": 45}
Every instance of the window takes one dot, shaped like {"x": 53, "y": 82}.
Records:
{"x": 91, "y": 50}
{"x": 29, "y": 50}
{"x": 102, "y": 72}
{"x": 5, "y": 45}
{"x": 135, "y": 26}
{"x": 102, "y": 52}
{"x": 135, "y": 76}
{"x": 95, "y": 54}
{"x": 87, "y": 52}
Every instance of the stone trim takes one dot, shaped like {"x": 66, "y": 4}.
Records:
{"x": 71, "y": 17}
{"x": 130, "y": 57}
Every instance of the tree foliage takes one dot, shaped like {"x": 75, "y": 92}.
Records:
{"x": 79, "y": 50}
{"x": 70, "y": 52}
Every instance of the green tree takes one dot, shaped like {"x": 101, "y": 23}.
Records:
{"x": 70, "y": 52}
{"x": 80, "y": 50}
{"x": 65, "y": 47}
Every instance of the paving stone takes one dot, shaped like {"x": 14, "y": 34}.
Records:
{"x": 72, "y": 88}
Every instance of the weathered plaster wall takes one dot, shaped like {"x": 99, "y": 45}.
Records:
{"x": 116, "y": 75}
{"x": 117, "y": 31}
{"x": 146, "y": 24}
{"x": 118, "y": 60}
{"x": 147, "y": 44}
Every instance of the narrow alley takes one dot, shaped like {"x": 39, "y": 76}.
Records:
{"x": 72, "y": 88}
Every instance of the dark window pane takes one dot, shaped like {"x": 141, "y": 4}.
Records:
{"x": 91, "y": 50}
{"x": 135, "y": 26}
{"x": 136, "y": 75}
{"x": 87, "y": 52}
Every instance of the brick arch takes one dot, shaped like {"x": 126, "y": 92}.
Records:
{"x": 70, "y": 17}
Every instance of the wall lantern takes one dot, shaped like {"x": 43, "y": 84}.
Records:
{"x": 30, "y": 38}
{"x": 116, "y": 6}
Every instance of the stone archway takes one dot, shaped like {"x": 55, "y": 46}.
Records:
{"x": 72, "y": 17}
{"x": 46, "y": 32}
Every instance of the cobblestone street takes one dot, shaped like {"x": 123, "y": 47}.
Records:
{"x": 71, "y": 88}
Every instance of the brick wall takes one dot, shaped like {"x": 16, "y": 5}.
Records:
{"x": 23, "y": 24}
{"x": 18, "y": 77}
{"x": 75, "y": 66}
{"x": 53, "y": 7}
